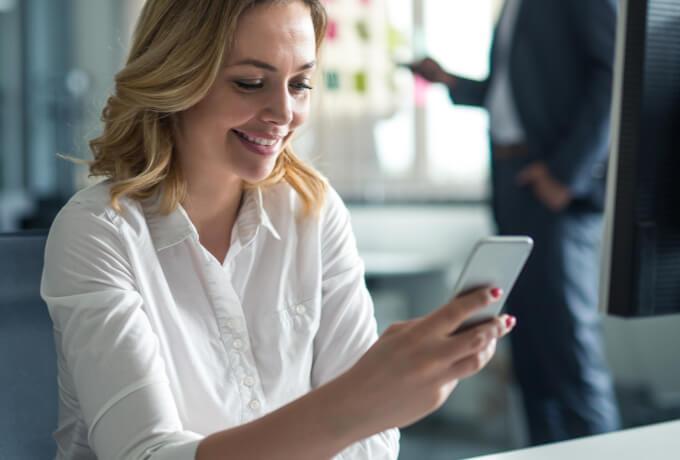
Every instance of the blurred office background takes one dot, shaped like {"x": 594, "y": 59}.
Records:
{"x": 412, "y": 167}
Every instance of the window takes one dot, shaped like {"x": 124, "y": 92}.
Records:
{"x": 380, "y": 134}
{"x": 57, "y": 60}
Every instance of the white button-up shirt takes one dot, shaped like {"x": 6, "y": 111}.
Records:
{"x": 159, "y": 344}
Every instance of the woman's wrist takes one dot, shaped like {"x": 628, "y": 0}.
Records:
{"x": 317, "y": 422}
{"x": 323, "y": 422}
{"x": 347, "y": 412}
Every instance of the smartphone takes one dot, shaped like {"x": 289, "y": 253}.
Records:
{"x": 494, "y": 261}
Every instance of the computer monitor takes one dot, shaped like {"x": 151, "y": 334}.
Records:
{"x": 641, "y": 244}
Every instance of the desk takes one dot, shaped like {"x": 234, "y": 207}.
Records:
{"x": 405, "y": 283}
{"x": 653, "y": 442}
{"x": 385, "y": 264}
{"x": 419, "y": 277}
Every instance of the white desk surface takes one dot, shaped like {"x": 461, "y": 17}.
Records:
{"x": 653, "y": 442}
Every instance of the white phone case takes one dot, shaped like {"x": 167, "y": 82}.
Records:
{"x": 494, "y": 261}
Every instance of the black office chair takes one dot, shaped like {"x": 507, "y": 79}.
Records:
{"x": 28, "y": 382}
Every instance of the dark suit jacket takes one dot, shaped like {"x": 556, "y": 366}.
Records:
{"x": 561, "y": 70}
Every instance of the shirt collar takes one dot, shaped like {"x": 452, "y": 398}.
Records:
{"x": 171, "y": 229}
{"x": 252, "y": 216}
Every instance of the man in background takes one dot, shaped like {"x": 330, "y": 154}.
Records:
{"x": 548, "y": 96}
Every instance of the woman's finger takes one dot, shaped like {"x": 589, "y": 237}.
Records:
{"x": 471, "y": 364}
{"x": 474, "y": 340}
{"x": 447, "y": 318}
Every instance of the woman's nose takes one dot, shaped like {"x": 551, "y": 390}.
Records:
{"x": 279, "y": 109}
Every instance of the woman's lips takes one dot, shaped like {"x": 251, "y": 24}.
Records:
{"x": 261, "y": 145}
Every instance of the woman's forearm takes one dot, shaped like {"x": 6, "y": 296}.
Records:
{"x": 318, "y": 425}
{"x": 406, "y": 374}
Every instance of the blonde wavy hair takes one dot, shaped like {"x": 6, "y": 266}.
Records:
{"x": 176, "y": 54}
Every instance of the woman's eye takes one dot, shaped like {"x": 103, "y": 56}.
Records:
{"x": 301, "y": 86}
{"x": 248, "y": 85}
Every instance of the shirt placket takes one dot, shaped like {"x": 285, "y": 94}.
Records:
{"x": 234, "y": 335}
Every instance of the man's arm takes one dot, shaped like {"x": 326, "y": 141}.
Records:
{"x": 468, "y": 92}
{"x": 462, "y": 91}
{"x": 594, "y": 23}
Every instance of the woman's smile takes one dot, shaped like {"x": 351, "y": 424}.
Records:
{"x": 262, "y": 144}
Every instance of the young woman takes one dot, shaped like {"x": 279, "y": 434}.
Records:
{"x": 208, "y": 299}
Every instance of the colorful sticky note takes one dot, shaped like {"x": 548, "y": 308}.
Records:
{"x": 365, "y": 2}
{"x": 331, "y": 30}
{"x": 332, "y": 80}
{"x": 360, "y": 82}
{"x": 420, "y": 87}
{"x": 395, "y": 39}
{"x": 363, "y": 30}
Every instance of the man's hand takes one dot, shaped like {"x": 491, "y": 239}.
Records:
{"x": 431, "y": 71}
{"x": 547, "y": 189}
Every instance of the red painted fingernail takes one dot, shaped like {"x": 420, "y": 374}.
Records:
{"x": 510, "y": 321}
{"x": 496, "y": 293}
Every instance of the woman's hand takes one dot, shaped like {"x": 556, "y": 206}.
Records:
{"x": 414, "y": 366}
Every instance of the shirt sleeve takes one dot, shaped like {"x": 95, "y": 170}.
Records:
{"x": 469, "y": 92}
{"x": 585, "y": 144}
{"x": 348, "y": 327}
{"x": 110, "y": 350}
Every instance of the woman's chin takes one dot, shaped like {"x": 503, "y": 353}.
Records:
{"x": 257, "y": 174}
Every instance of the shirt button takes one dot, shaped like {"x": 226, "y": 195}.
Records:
{"x": 231, "y": 324}
{"x": 249, "y": 381}
{"x": 238, "y": 344}
{"x": 300, "y": 309}
{"x": 254, "y": 404}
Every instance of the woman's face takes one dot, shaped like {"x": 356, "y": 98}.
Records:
{"x": 260, "y": 97}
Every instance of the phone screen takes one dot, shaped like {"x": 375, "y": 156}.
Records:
{"x": 495, "y": 261}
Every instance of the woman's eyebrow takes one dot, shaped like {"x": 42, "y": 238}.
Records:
{"x": 265, "y": 66}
